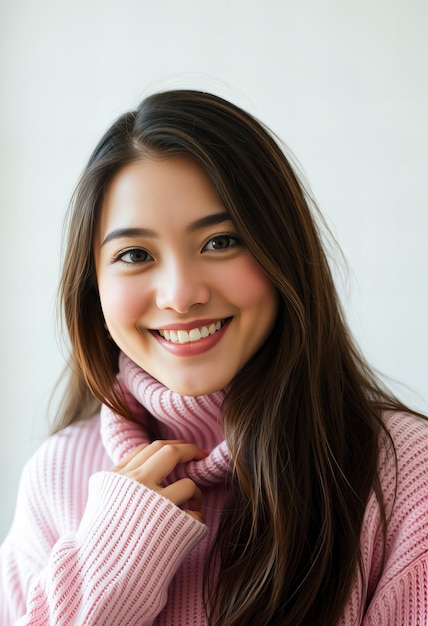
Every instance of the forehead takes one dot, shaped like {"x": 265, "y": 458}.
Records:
{"x": 177, "y": 189}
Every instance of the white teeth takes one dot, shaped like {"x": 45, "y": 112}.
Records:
{"x": 184, "y": 336}
{"x": 194, "y": 334}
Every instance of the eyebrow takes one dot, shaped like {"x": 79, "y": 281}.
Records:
{"x": 203, "y": 222}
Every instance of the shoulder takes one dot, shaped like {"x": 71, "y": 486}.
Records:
{"x": 404, "y": 455}
{"x": 409, "y": 475}
{"x": 406, "y": 429}
{"x": 397, "y": 568}
{"x": 403, "y": 477}
{"x": 79, "y": 442}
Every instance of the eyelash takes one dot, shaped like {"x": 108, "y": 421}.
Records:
{"x": 232, "y": 237}
{"x": 121, "y": 255}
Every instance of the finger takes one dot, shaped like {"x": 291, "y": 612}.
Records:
{"x": 141, "y": 453}
{"x": 184, "y": 491}
{"x": 196, "y": 514}
{"x": 128, "y": 457}
{"x": 162, "y": 463}
{"x": 195, "y": 503}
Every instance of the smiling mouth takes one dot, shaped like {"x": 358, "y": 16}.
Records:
{"x": 192, "y": 335}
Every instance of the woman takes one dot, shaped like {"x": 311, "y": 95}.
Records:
{"x": 262, "y": 475}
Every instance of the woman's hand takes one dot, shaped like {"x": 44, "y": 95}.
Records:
{"x": 151, "y": 463}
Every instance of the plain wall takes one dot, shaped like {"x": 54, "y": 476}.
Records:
{"x": 343, "y": 83}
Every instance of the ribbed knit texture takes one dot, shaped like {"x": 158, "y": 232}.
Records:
{"x": 89, "y": 546}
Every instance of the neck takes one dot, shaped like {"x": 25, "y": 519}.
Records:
{"x": 195, "y": 419}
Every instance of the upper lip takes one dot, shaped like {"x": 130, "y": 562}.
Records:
{"x": 190, "y": 325}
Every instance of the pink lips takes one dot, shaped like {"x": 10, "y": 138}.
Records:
{"x": 192, "y": 348}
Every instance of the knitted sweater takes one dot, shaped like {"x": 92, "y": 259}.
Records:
{"x": 90, "y": 546}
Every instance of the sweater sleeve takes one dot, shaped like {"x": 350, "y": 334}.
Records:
{"x": 113, "y": 569}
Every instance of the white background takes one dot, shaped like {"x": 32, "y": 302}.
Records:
{"x": 343, "y": 83}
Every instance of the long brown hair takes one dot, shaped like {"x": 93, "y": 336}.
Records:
{"x": 302, "y": 413}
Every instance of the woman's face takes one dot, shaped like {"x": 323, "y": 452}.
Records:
{"x": 181, "y": 296}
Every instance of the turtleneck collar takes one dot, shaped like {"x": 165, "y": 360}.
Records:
{"x": 194, "y": 419}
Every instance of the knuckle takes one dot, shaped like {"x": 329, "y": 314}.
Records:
{"x": 172, "y": 448}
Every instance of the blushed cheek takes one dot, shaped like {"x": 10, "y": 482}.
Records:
{"x": 249, "y": 286}
{"x": 121, "y": 303}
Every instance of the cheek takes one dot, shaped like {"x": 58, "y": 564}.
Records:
{"x": 121, "y": 301}
{"x": 249, "y": 286}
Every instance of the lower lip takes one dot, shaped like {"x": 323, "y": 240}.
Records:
{"x": 192, "y": 348}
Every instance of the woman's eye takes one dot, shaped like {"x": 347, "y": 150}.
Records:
{"x": 136, "y": 255}
{"x": 221, "y": 242}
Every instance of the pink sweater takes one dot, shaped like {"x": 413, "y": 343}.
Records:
{"x": 89, "y": 546}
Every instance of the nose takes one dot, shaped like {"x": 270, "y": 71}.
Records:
{"x": 180, "y": 286}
